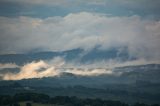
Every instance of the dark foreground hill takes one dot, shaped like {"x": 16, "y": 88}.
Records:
{"x": 136, "y": 84}
{"x": 31, "y": 98}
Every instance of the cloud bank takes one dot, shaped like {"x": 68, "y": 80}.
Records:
{"x": 57, "y": 67}
{"x": 32, "y": 70}
{"x": 42, "y": 69}
{"x": 81, "y": 30}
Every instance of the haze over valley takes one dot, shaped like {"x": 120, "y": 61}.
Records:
{"x": 89, "y": 49}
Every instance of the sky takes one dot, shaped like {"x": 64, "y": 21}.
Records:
{"x": 58, "y": 25}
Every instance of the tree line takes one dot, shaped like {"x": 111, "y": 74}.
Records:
{"x": 7, "y": 100}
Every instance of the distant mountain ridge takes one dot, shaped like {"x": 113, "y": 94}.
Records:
{"x": 79, "y": 55}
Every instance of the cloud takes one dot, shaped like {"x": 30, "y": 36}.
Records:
{"x": 113, "y": 63}
{"x": 32, "y": 70}
{"x": 81, "y": 30}
{"x": 57, "y": 67}
{"x": 87, "y": 72}
{"x": 8, "y": 65}
{"x": 42, "y": 69}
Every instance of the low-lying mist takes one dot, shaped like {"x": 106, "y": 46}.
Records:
{"x": 58, "y": 66}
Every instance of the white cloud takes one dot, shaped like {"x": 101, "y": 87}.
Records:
{"x": 8, "y": 65}
{"x": 42, "y": 69}
{"x": 86, "y": 72}
{"x": 81, "y": 30}
{"x": 32, "y": 70}
{"x": 58, "y": 66}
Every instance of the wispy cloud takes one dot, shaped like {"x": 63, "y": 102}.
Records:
{"x": 57, "y": 67}
{"x": 8, "y": 65}
{"x": 52, "y": 68}
{"x": 81, "y": 30}
{"x": 32, "y": 70}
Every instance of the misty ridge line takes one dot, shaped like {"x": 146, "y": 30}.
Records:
{"x": 57, "y": 66}
{"x": 60, "y": 63}
{"x": 33, "y": 70}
